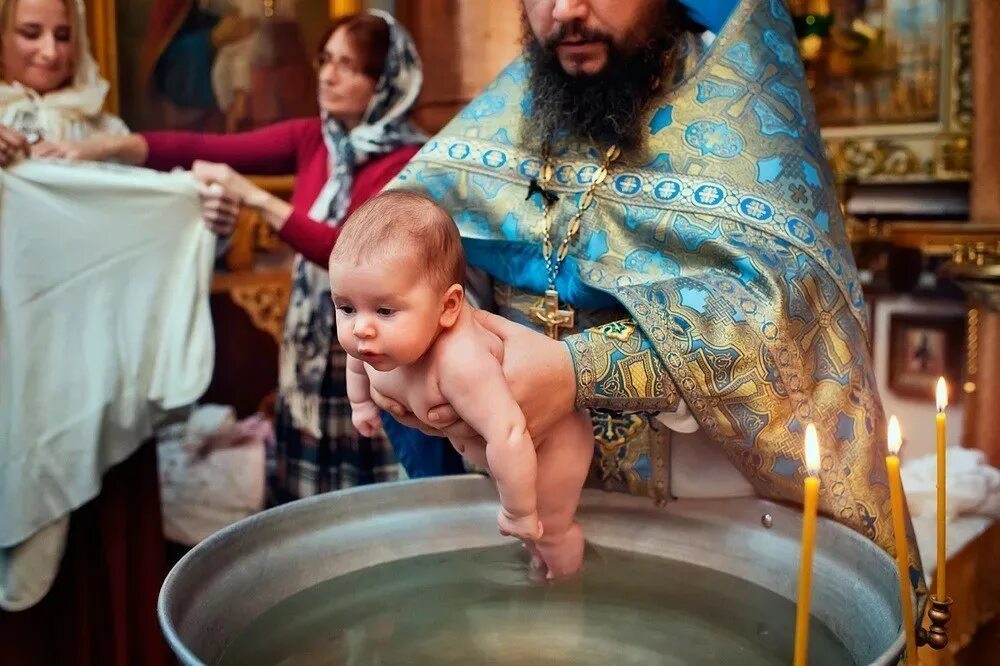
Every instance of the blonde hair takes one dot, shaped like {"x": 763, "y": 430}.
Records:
{"x": 73, "y": 14}
{"x": 397, "y": 223}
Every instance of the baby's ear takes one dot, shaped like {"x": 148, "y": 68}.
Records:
{"x": 451, "y": 305}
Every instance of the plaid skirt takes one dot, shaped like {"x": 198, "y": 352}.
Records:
{"x": 302, "y": 465}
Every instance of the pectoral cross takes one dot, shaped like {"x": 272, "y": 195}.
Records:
{"x": 547, "y": 313}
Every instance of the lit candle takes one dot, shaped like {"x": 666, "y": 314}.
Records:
{"x": 942, "y": 551}
{"x": 899, "y": 528}
{"x": 810, "y": 500}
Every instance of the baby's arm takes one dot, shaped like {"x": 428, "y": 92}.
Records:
{"x": 472, "y": 381}
{"x": 364, "y": 413}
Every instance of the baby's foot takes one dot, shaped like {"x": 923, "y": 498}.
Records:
{"x": 537, "y": 572}
{"x": 526, "y": 528}
{"x": 535, "y": 558}
{"x": 563, "y": 555}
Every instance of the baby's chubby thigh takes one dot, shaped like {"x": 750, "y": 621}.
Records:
{"x": 564, "y": 454}
{"x": 472, "y": 449}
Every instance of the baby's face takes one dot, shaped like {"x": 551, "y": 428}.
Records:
{"x": 387, "y": 314}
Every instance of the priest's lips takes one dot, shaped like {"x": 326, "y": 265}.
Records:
{"x": 578, "y": 47}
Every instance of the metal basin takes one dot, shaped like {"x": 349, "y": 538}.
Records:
{"x": 233, "y": 577}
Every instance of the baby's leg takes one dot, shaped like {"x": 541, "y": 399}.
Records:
{"x": 472, "y": 449}
{"x": 564, "y": 455}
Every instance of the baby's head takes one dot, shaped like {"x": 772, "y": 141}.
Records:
{"x": 396, "y": 275}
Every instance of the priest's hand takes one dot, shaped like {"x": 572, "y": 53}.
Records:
{"x": 443, "y": 416}
{"x": 538, "y": 369}
{"x": 13, "y": 144}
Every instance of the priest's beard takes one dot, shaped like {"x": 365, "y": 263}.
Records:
{"x": 603, "y": 108}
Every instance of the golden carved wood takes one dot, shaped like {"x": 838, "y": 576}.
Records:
{"x": 263, "y": 295}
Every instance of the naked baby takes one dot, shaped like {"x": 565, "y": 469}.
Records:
{"x": 396, "y": 275}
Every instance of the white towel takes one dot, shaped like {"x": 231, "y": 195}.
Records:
{"x": 973, "y": 486}
{"x": 104, "y": 323}
{"x": 973, "y": 501}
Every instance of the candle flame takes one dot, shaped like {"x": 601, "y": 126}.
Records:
{"x": 812, "y": 450}
{"x": 895, "y": 437}
{"x": 942, "y": 394}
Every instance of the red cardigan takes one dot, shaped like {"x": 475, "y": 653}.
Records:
{"x": 293, "y": 146}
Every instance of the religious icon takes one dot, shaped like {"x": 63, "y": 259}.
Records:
{"x": 219, "y": 65}
{"x": 874, "y": 61}
{"x": 923, "y": 348}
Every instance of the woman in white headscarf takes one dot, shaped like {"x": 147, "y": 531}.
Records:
{"x": 51, "y": 89}
{"x": 109, "y": 553}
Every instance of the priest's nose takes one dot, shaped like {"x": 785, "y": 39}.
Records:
{"x": 567, "y": 11}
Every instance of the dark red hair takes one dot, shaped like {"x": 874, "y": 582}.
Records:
{"x": 368, "y": 36}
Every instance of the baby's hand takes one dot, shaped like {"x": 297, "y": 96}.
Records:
{"x": 525, "y": 528}
{"x": 366, "y": 418}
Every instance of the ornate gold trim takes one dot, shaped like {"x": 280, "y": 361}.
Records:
{"x": 860, "y": 159}
{"x": 933, "y": 238}
{"x": 939, "y": 150}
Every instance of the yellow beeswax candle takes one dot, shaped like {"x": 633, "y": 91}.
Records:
{"x": 942, "y": 550}
{"x": 810, "y": 501}
{"x": 899, "y": 529}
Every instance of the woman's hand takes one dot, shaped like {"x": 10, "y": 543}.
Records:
{"x": 131, "y": 149}
{"x": 236, "y": 186}
{"x": 219, "y": 210}
{"x": 12, "y": 145}
{"x": 57, "y": 149}
{"x": 240, "y": 190}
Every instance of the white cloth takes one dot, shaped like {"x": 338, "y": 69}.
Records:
{"x": 104, "y": 323}
{"x": 201, "y": 495}
{"x": 73, "y": 112}
{"x": 973, "y": 485}
{"x": 973, "y": 501}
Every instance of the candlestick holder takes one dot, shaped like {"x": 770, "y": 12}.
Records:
{"x": 936, "y": 634}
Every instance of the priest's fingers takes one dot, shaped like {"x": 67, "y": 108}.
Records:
{"x": 449, "y": 424}
{"x": 499, "y": 326}
{"x": 401, "y": 413}
{"x": 443, "y": 416}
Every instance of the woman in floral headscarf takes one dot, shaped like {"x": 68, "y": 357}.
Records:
{"x": 369, "y": 77}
